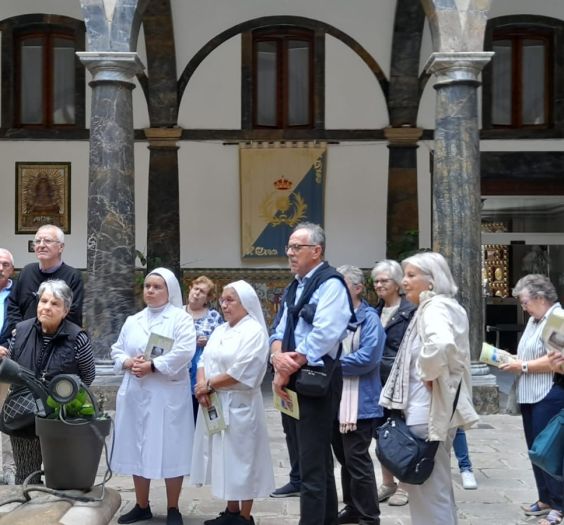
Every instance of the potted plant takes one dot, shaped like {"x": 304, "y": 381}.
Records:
{"x": 72, "y": 434}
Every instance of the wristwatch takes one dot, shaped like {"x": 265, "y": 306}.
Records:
{"x": 524, "y": 367}
{"x": 210, "y": 388}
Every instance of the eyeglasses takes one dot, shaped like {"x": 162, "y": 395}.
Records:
{"x": 297, "y": 247}
{"x": 382, "y": 281}
{"x": 226, "y": 300}
{"x": 46, "y": 242}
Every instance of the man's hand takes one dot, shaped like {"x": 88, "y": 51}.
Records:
{"x": 3, "y": 352}
{"x": 278, "y": 384}
{"x": 287, "y": 363}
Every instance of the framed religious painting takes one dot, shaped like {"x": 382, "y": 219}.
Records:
{"x": 42, "y": 195}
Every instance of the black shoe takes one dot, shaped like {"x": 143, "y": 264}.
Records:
{"x": 348, "y": 515}
{"x": 225, "y": 518}
{"x": 289, "y": 490}
{"x": 173, "y": 517}
{"x": 136, "y": 514}
{"x": 239, "y": 520}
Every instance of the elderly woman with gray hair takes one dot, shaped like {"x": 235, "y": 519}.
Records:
{"x": 431, "y": 370}
{"x": 540, "y": 396}
{"x": 49, "y": 345}
{"x": 395, "y": 313}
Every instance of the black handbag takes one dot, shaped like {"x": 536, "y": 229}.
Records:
{"x": 408, "y": 457}
{"x": 314, "y": 381}
{"x": 18, "y": 411}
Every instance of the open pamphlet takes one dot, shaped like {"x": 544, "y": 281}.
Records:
{"x": 495, "y": 356}
{"x": 213, "y": 415}
{"x": 553, "y": 331}
{"x": 290, "y": 408}
{"x": 157, "y": 345}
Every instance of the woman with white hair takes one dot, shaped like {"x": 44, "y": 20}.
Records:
{"x": 154, "y": 423}
{"x": 540, "y": 395}
{"x": 432, "y": 364}
{"x": 237, "y": 460}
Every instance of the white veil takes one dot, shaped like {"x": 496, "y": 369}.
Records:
{"x": 172, "y": 284}
{"x": 250, "y": 301}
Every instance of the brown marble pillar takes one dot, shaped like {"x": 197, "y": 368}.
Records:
{"x": 402, "y": 227}
{"x": 163, "y": 222}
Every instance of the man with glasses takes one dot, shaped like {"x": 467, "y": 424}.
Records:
{"x": 48, "y": 244}
{"x": 314, "y": 319}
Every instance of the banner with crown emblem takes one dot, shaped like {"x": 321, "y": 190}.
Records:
{"x": 281, "y": 186}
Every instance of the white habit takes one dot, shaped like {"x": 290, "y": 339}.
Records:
{"x": 154, "y": 425}
{"x": 236, "y": 461}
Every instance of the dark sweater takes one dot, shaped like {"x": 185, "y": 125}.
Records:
{"x": 22, "y": 302}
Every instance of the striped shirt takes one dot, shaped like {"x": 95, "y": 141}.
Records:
{"x": 534, "y": 386}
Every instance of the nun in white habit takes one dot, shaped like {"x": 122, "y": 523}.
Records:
{"x": 237, "y": 460}
{"x": 154, "y": 424}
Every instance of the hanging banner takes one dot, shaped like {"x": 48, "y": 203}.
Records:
{"x": 281, "y": 186}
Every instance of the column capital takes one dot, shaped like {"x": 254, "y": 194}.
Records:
{"x": 457, "y": 66}
{"x": 403, "y": 136}
{"x": 163, "y": 137}
{"x": 116, "y": 66}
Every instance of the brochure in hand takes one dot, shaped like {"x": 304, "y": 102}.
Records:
{"x": 495, "y": 356}
{"x": 157, "y": 345}
{"x": 290, "y": 408}
{"x": 213, "y": 415}
{"x": 553, "y": 331}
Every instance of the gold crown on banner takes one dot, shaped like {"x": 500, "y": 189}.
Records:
{"x": 283, "y": 183}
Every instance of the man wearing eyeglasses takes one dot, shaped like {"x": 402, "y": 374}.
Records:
{"x": 48, "y": 245}
{"x": 314, "y": 320}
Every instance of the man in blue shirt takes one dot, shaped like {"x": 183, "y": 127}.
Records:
{"x": 6, "y": 272}
{"x": 306, "y": 339}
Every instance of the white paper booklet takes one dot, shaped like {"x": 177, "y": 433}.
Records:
{"x": 553, "y": 331}
{"x": 495, "y": 356}
{"x": 157, "y": 345}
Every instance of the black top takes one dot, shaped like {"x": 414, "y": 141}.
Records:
{"x": 22, "y": 301}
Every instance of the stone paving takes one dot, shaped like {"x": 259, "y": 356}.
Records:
{"x": 497, "y": 449}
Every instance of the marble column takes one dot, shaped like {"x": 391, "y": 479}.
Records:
{"x": 456, "y": 177}
{"x": 110, "y": 288}
{"x": 402, "y": 226}
{"x": 163, "y": 222}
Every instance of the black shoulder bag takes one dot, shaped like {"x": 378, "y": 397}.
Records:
{"x": 408, "y": 457}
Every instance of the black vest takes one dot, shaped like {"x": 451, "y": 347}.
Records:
{"x": 303, "y": 308}
{"x": 59, "y": 356}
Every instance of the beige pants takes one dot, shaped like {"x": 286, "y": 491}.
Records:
{"x": 432, "y": 503}
{"x": 7, "y": 455}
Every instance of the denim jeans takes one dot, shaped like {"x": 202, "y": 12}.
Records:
{"x": 460, "y": 446}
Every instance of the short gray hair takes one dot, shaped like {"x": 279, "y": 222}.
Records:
{"x": 354, "y": 274}
{"x": 391, "y": 267}
{"x": 58, "y": 232}
{"x": 59, "y": 288}
{"x": 537, "y": 286}
{"x": 316, "y": 233}
{"x": 8, "y": 254}
{"x": 434, "y": 266}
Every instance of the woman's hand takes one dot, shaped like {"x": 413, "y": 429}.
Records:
{"x": 141, "y": 367}
{"x": 128, "y": 364}
{"x": 556, "y": 360}
{"x": 513, "y": 366}
{"x": 201, "y": 341}
{"x": 204, "y": 400}
{"x": 202, "y": 388}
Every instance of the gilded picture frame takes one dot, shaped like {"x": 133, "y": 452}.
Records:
{"x": 42, "y": 195}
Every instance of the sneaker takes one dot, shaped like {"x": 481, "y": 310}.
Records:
{"x": 287, "y": 491}
{"x": 385, "y": 491}
{"x": 226, "y": 517}
{"x": 136, "y": 514}
{"x": 173, "y": 517}
{"x": 399, "y": 498}
{"x": 468, "y": 480}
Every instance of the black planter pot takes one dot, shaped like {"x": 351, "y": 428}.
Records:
{"x": 71, "y": 452}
